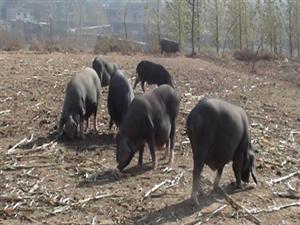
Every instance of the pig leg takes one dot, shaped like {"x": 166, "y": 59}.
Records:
{"x": 110, "y": 123}
{"x": 200, "y": 149}
{"x": 87, "y": 125}
{"x": 81, "y": 135}
{"x": 137, "y": 79}
{"x": 141, "y": 153}
{"x": 198, "y": 167}
{"x": 172, "y": 141}
{"x": 143, "y": 85}
{"x": 61, "y": 126}
{"x": 166, "y": 150}
{"x": 151, "y": 145}
{"x": 237, "y": 168}
{"x": 218, "y": 177}
{"x": 95, "y": 122}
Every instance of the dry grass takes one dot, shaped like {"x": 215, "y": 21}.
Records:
{"x": 64, "y": 46}
{"x": 105, "y": 45}
{"x": 10, "y": 41}
{"x": 249, "y": 55}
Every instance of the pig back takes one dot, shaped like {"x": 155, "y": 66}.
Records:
{"x": 218, "y": 128}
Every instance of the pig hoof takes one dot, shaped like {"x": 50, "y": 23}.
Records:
{"x": 216, "y": 187}
{"x": 141, "y": 166}
{"x": 154, "y": 166}
{"x": 117, "y": 174}
{"x": 238, "y": 186}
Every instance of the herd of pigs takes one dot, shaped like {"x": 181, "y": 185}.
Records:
{"x": 218, "y": 130}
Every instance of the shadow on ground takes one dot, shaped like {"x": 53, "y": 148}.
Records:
{"x": 185, "y": 208}
{"x": 92, "y": 141}
{"x": 110, "y": 176}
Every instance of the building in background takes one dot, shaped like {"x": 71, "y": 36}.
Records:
{"x": 84, "y": 19}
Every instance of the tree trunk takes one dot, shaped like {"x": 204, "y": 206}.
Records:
{"x": 255, "y": 59}
{"x": 80, "y": 22}
{"x": 275, "y": 42}
{"x": 50, "y": 28}
{"x": 280, "y": 43}
{"x": 271, "y": 43}
{"x": 227, "y": 35}
{"x": 125, "y": 25}
{"x": 297, "y": 28}
{"x": 67, "y": 19}
{"x": 158, "y": 19}
{"x": 51, "y": 24}
{"x": 179, "y": 25}
{"x": 290, "y": 29}
{"x": 198, "y": 24}
{"x": 193, "y": 22}
{"x": 240, "y": 24}
{"x": 217, "y": 26}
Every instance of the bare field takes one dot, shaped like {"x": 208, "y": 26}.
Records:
{"x": 62, "y": 182}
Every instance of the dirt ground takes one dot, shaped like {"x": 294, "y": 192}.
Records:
{"x": 49, "y": 181}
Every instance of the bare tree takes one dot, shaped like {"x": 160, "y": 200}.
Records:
{"x": 217, "y": 24}
{"x": 51, "y": 23}
{"x": 124, "y": 22}
{"x": 192, "y": 4}
{"x": 270, "y": 24}
{"x": 158, "y": 19}
{"x": 290, "y": 26}
{"x": 179, "y": 13}
{"x": 240, "y": 23}
{"x": 177, "y": 18}
{"x": 80, "y": 22}
{"x": 198, "y": 24}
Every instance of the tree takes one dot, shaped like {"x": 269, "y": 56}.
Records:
{"x": 237, "y": 24}
{"x": 290, "y": 25}
{"x": 199, "y": 5}
{"x": 192, "y": 4}
{"x": 158, "y": 19}
{"x": 217, "y": 25}
{"x": 177, "y": 19}
{"x": 270, "y": 27}
{"x": 235, "y": 10}
{"x": 296, "y": 18}
{"x": 216, "y": 14}
{"x": 124, "y": 22}
{"x": 240, "y": 22}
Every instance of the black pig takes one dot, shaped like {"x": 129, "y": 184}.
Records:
{"x": 219, "y": 133}
{"x": 81, "y": 101}
{"x": 104, "y": 70}
{"x": 150, "y": 118}
{"x": 120, "y": 95}
{"x": 152, "y": 73}
{"x": 168, "y": 46}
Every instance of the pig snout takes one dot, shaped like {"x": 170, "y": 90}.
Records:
{"x": 71, "y": 128}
